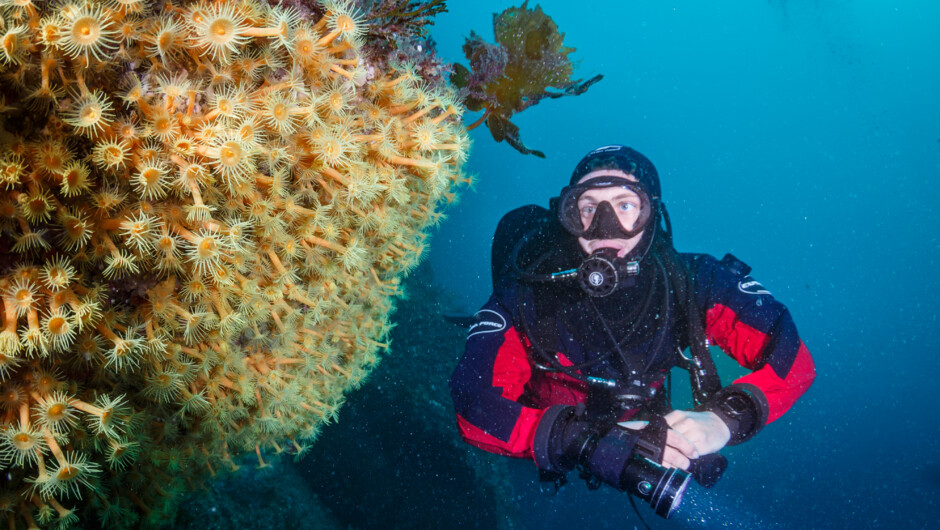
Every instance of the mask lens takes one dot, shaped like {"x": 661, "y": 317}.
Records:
{"x": 588, "y": 217}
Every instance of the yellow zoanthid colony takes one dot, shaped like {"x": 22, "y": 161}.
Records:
{"x": 206, "y": 208}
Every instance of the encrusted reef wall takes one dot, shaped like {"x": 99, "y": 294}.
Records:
{"x": 206, "y": 209}
{"x": 395, "y": 459}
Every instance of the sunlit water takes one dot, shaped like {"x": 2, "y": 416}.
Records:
{"x": 802, "y": 136}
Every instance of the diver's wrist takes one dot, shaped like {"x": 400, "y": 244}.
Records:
{"x": 742, "y": 407}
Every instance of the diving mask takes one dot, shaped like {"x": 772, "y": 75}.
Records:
{"x": 601, "y": 216}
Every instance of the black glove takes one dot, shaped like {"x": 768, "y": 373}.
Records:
{"x": 743, "y": 408}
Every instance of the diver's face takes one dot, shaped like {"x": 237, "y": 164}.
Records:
{"x": 626, "y": 205}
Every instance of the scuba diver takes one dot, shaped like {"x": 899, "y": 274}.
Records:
{"x": 568, "y": 362}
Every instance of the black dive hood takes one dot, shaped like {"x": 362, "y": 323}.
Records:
{"x": 628, "y": 160}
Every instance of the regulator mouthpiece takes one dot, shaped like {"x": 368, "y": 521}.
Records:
{"x": 602, "y": 272}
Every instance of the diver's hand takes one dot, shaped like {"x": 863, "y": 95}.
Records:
{"x": 705, "y": 431}
{"x": 690, "y": 435}
{"x": 679, "y": 451}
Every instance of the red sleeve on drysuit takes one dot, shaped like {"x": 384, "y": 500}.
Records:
{"x": 492, "y": 378}
{"x": 757, "y": 331}
{"x": 511, "y": 371}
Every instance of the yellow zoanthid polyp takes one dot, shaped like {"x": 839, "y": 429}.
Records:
{"x": 90, "y": 113}
{"x": 206, "y": 208}
{"x": 14, "y": 45}
{"x": 220, "y": 30}
{"x": 87, "y": 31}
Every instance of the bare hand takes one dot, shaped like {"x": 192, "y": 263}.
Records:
{"x": 690, "y": 435}
{"x": 704, "y": 431}
{"x": 679, "y": 450}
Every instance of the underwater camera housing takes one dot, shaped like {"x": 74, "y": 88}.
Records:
{"x": 661, "y": 487}
{"x": 623, "y": 458}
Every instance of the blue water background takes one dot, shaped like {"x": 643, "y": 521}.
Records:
{"x": 802, "y": 136}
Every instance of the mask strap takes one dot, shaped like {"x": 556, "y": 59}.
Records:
{"x": 668, "y": 233}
